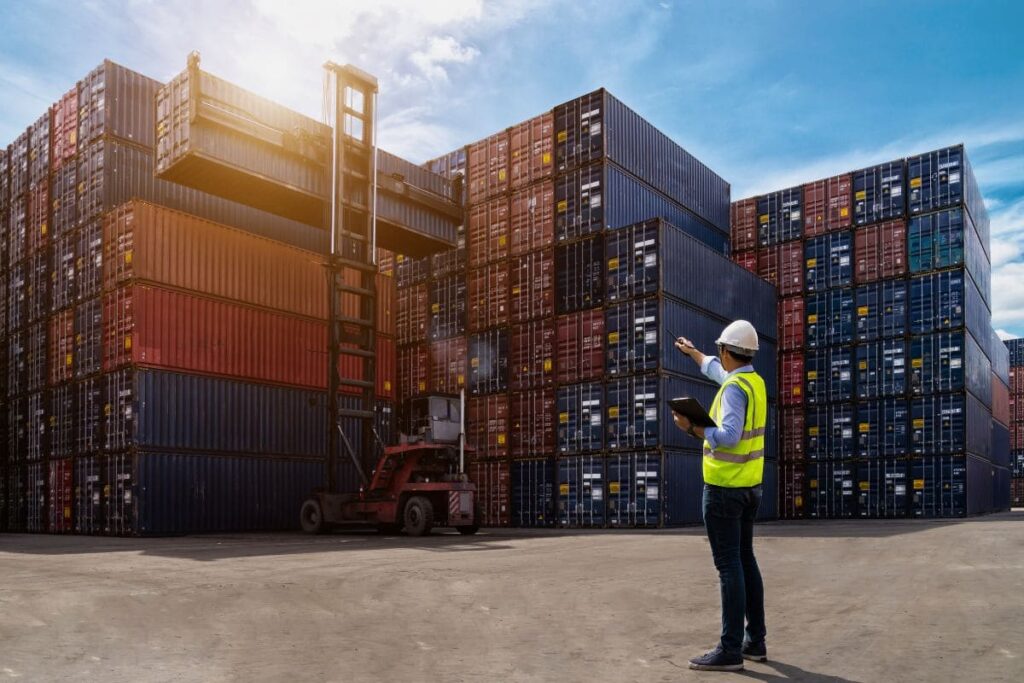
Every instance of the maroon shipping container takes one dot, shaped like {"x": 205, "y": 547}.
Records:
{"x": 493, "y": 491}
{"x": 532, "y": 224}
{"x": 386, "y": 367}
{"x": 1000, "y": 401}
{"x": 60, "y": 496}
{"x": 62, "y": 347}
{"x": 38, "y": 218}
{"x": 385, "y": 262}
{"x": 530, "y": 149}
{"x": 64, "y": 141}
{"x": 413, "y": 307}
{"x": 783, "y": 266}
{"x": 533, "y": 422}
{"x": 488, "y": 167}
{"x": 487, "y": 426}
{"x": 880, "y": 251}
{"x": 791, "y": 323}
{"x": 827, "y": 205}
{"x": 533, "y": 286}
{"x": 488, "y": 297}
{"x": 747, "y": 259}
{"x": 1016, "y": 433}
{"x": 488, "y": 238}
{"x": 387, "y": 306}
{"x": 413, "y": 370}
{"x": 580, "y": 353}
{"x": 791, "y": 491}
{"x": 532, "y": 355}
{"x": 791, "y": 434}
{"x": 791, "y": 378}
{"x": 743, "y": 224}
{"x": 448, "y": 365}
{"x": 768, "y": 264}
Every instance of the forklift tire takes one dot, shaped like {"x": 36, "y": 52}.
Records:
{"x": 312, "y": 517}
{"x": 468, "y": 530}
{"x": 419, "y": 516}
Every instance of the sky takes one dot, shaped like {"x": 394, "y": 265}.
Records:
{"x": 767, "y": 93}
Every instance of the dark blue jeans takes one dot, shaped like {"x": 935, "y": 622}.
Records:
{"x": 729, "y": 519}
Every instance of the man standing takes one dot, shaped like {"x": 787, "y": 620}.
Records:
{"x": 733, "y": 467}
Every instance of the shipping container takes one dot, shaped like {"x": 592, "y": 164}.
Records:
{"x": 880, "y": 251}
{"x": 35, "y": 498}
{"x": 682, "y": 488}
{"x": 581, "y": 491}
{"x": 62, "y": 347}
{"x": 580, "y": 350}
{"x": 39, "y": 152}
{"x": 783, "y": 266}
{"x": 494, "y": 491}
{"x": 533, "y": 422}
{"x": 830, "y": 432}
{"x": 882, "y": 428}
{"x": 827, "y": 205}
{"x": 1016, "y": 348}
{"x": 1000, "y": 358}
{"x": 64, "y": 137}
{"x": 531, "y": 150}
{"x": 743, "y": 225}
{"x": 943, "y": 178}
{"x": 89, "y": 261}
{"x": 65, "y": 259}
{"x": 17, "y": 362}
{"x": 39, "y": 228}
{"x": 37, "y": 429}
{"x": 39, "y": 282}
{"x": 829, "y": 318}
{"x": 1017, "y": 462}
{"x": 948, "y": 239}
{"x": 532, "y": 355}
{"x": 118, "y": 102}
{"x": 448, "y": 365}
{"x": 1000, "y": 445}
{"x": 634, "y": 489}
{"x": 580, "y": 417}
{"x": 950, "y": 486}
{"x": 1000, "y": 401}
{"x": 386, "y": 422}
{"x": 949, "y": 424}
{"x": 829, "y": 374}
{"x": 598, "y": 126}
{"x": 780, "y": 217}
{"x": 882, "y": 488}
{"x": 386, "y": 367}
{"x": 448, "y": 306}
{"x": 412, "y": 309}
{"x": 792, "y": 492}
{"x": 746, "y": 260}
{"x": 791, "y": 323}
{"x": 413, "y": 370}
{"x": 579, "y": 275}
{"x": 18, "y": 166}
{"x": 37, "y": 356}
{"x": 831, "y": 490}
{"x": 88, "y": 494}
{"x": 533, "y": 501}
{"x": 60, "y": 496}
{"x": 881, "y": 369}
{"x": 449, "y": 165}
{"x": 60, "y": 419}
{"x": 488, "y": 237}
{"x": 1000, "y": 489}
{"x": 532, "y": 223}
{"x": 488, "y": 167}
{"x": 881, "y": 310}
{"x": 792, "y": 434}
{"x": 64, "y": 196}
{"x": 450, "y": 261}
{"x": 487, "y": 426}
{"x": 532, "y": 286}
{"x": 17, "y": 229}
{"x": 88, "y": 349}
{"x": 410, "y": 271}
{"x": 488, "y": 292}
{"x": 949, "y": 361}
{"x": 878, "y": 193}
{"x": 488, "y": 362}
{"x": 791, "y": 381}
{"x": 17, "y": 497}
{"x": 828, "y": 261}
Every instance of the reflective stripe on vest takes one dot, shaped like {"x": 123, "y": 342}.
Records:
{"x": 743, "y": 464}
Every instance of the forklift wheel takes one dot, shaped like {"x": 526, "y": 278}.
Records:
{"x": 419, "y": 516}
{"x": 468, "y": 530}
{"x": 312, "y": 517}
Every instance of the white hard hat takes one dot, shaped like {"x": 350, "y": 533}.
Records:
{"x": 739, "y": 336}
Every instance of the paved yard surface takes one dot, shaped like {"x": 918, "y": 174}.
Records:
{"x": 847, "y": 601}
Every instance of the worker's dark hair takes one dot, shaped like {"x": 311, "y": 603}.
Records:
{"x": 742, "y": 358}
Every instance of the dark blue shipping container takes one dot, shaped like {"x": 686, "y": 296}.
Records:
{"x": 90, "y": 411}
{"x": 580, "y": 417}
{"x": 579, "y": 275}
{"x": 488, "y": 362}
{"x": 830, "y": 432}
{"x": 938, "y": 241}
{"x": 17, "y": 496}
{"x": 1000, "y": 359}
{"x": 881, "y": 310}
{"x": 634, "y": 489}
{"x": 682, "y": 499}
{"x": 831, "y": 490}
{"x": 1000, "y": 489}
{"x": 154, "y": 494}
{"x": 940, "y": 302}
{"x": 655, "y": 257}
{"x": 950, "y": 423}
{"x": 780, "y": 216}
{"x": 602, "y": 196}
{"x": 828, "y": 261}
{"x": 639, "y": 338}
{"x": 448, "y": 299}
{"x": 883, "y": 428}
{"x": 597, "y": 126}
{"x": 950, "y": 486}
{"x": 944, "y": 178}
{"x": 881, "y": 369}
{"x": 949, "y": 361}
{"x": 1000, "y": 445}
{"x": 878, "y": 193}
{"x": 882, "y": 487}
{"x": 533, "y": 501}
{"x": 449, "y": 165}
{"x": 411, "y": 271}
{"x": 1016, "y": 349}
{"x": 581, "y": 489}
{"x": 769, "y": 508}
{"x": 35, "y": 497}
{"x": 88, "y": 485}
{"x": 829, "y": 318}
{"x": 115, "y": 101}
{"x": 829, "y": 375}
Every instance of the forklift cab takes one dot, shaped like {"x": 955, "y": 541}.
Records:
{"x": 432, "y": 419}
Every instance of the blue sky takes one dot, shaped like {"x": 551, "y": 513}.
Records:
{"x": 766, "y": 93}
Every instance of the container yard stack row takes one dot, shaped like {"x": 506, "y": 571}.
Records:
{"x": 591, "y": 240}
{"x": 166, "y": 350}
{"x": 1015, "y": 410}
{"x": 893, "y": 384}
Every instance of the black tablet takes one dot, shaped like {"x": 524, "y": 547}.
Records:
{"x": 693, "y": 410}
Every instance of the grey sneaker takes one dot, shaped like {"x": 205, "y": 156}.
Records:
{"x": 717, "y": 660}
{"x": 755, "y": 652}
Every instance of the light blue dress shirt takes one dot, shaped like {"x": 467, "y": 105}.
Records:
{"x": 734, "y": 405}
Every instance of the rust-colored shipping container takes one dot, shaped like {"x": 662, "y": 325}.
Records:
{"x": 533, "y": 286}
{"x": 532, "y": 355}
{"x": 791, "y": 323}
{"x": 38, "y": 233}
{"x": 62, "y": 347}
{"x": 488, "y": 297}
{"x": 385, "y": 262}
{"x": 386, "y": 367}
{"x": 493, "y": 486}
{"x": 448, "y": 365}
{"x": 791, "y": 491}
{"x": 580, "y": 351}
{"x": 827, "y": 205}
{"x": 413, "y": 370}
{"x": 60, "y": 496}
{"x": 532, "y": 223}
{"x": 488, "y": 238}
{"x": 530, "y": 150}
{"x": 533, "y": 422}
{"x": 387, "y": 305}
{"x": 743, "y": 223}
{"x": 783, "y": 266}
{"x": 791, "y": 434}
{"x": 791, "y": 378}
{"x": 487, "y": 426}
{"x": 747, "y": 259}
{"x": 880, "y": 251}
{"x": 64, "y": 139}
{"x": 1000, "y": 401}
{"x": 768, "y": 264}
{"x": 413, "y": 308}
{"x": 488, "y": 167}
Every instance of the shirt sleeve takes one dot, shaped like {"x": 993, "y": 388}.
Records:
{"x": 713, "y": 370}
{"x": 730, "y": 427}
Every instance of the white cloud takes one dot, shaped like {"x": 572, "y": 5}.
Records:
{"x": 1008, "y": 295}
{"x": 1004, "y": 335}
{"x": 441, "y": 52}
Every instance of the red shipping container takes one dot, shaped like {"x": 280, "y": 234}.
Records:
{"x": 532, "y": 355}
{"x": 791, "y": 323}
{"x": 533, "y": 286}
{"x": 487, "y": 426}
{"x": 493, "y": 491}
{"x": 64, "y": 140}
{"x": 747, "y": 259}
{"x": 768, "y": 264}
{"x": 62, "y": 347}
{"x": 791, "y": 268}
{"x": 488, "y": 297}
{"x": 791, "y": 491}
{"x": 487, "y": 240}
{"x": 413, "y": 370}
{"x": 532, "y": 223}
{"x": 60, "y": 496}
{"x": 530, "y": 149}
{"x": 743, "y": 224}
{"x": 827, "y": 205}
{"x": 38, "y": 233}
{"x": 791, "y": 366}
{"x": 1016, "y": 435}
{"x": 533, "y": 422}
{"x": 880, "y": 251}
{"x": 580, "y": 353}
{"x": 488, "y": 167}
{"x": 1016, "y": 380}
{"x": 386, "y": 367}
{"x": 791, "y": 434}
{"x": 385, "y": 262}
{"x": 413, "y": 309}
{"x": 448, "y": 365}
{"x": 1000, "y": 401}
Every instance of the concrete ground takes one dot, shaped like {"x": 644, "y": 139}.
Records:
{"x": 847, "y": 601}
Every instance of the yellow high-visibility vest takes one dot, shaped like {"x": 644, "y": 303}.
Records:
{"x": 743, "y": 464}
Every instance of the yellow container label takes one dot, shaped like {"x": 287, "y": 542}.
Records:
{"x": 128, "y": 343}
{"x": 435, "y": 308}
{"x": 812, "y": 431}
{"x": 107, "y": 409}
{"x": 474, "y": 362}
{"x": 811, "y": 262}
{"x": 502, "y": 241}
{"x": 562, "y": 206}
{"x": 812, "y": 318}
{"x": 798, "y": 501}
{"x": 844, "y": 212}
{"x": 915, "y": 182}
{"x": 613, "y": 263}
{"x": 546, "y": 159}
{"x": 863, "y": 365}
{"x": 918, "y": 484}
{"x": 128, "y": 257}
{"x": 813, "y": 483}
{"x": 812, "y": 374}
{"x": 916, "y": 362}
{"x": 613, "y": 337}
{"x": 547, "y": 365}
{"x": 516, "y": 290}
{"x": 501, "y": 176}
{"x": 861, "y": 194}
{"x": 563, "y": 489}
{"x": 865, "y": 486}
{"x": 42, "y": 229}
{"x": 460, "y": 379}
{"x": 399, "y": 258}
{"x": 422, "y": 386}
{"x": 613, "y": 411}
{"x": 797, "y": 391}
{"x": 863, "y": 310}
{"x": 501, "y": 439}
{"x": 387, "y": 385}
{"x": 763, "y": 219}
{"x": 918, "y": 423}
{"x": 865, "y": 427}
{"x": 563, "y": 418}
{"x": 67, "y": 360}
{"x": 614, "y": 487}
{"x": 563, "y": 135}
{"x": 67, "y": 513}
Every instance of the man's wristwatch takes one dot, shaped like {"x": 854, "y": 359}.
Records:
{"x": 691, "y": 432}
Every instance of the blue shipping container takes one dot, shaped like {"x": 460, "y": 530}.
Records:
{"x": 831, "y": 490}
{"x": 950, "y": 486}
{"x": 639, "y": 416}
{"x": 533, "y": 502}
{"x": 950, "y": 423}
{"x": 579, "y": 275}
{"x": 581, "y": 488}
{"x": 1000, "y": 358}
{"x": 948, "y": 239}
{"x": 883, "y": 428}
{"x": 829, "y": 374}
{"x": 1016, "y": 349}
{"x": 1000, "y": 489}
{"x": 580, "y": 417}
{"x": 945, "y": 301}
{"x": 881, "y": 310}
{"x": 878, "y": 193}
{"x": 488, "y": 362}
{"x": 1000, "y": 445}
{"x": 682, "y": 500}
{"x": 944, "y": 178}
{"x": 830, "y": 432}
{"x": 882, "y": 488}
{"x": 949, "y": 361}
{"x": 88, "y": 482}
{"x": 829, "y": 318}
{"x": 780, "y": 216}
{"x": 634, "y": 489}
{"x": 881, "y": 369}
{"x": 828, "y": 261}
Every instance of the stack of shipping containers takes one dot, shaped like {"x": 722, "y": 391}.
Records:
{"x": 889, "y": 368}
{"x": 166, "y": 349}
{"x": 1015, "y": 410}
{"x": 591, "y": 240}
